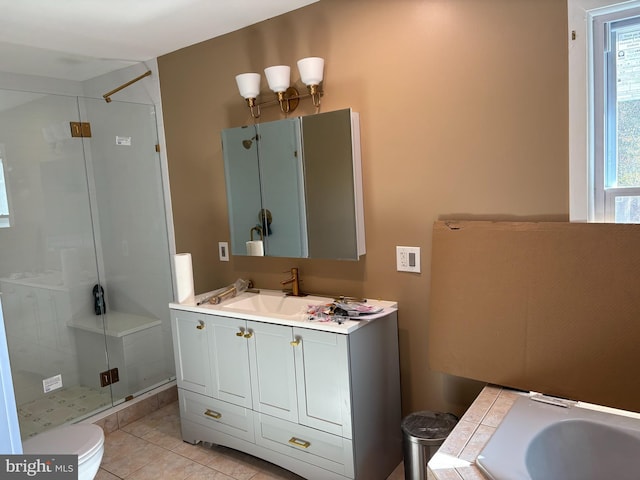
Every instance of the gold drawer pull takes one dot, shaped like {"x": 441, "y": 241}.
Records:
{"x": 299, "y": 443}
{"x": 240, "y": 333}
{"x": 295, "y": 343}
{"x": 200, "y": 325}
{"x": 212, "y": 414}
{"x": 248, "y": 335}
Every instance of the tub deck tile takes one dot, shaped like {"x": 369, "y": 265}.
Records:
{"x": 498, "y": 410}
{"x": 470, "y": 473}
{"x": 454, "y": 444}
{"x": 481, "y": 406}
{"x": 477, "y": 442}
{"x": 470, "y": 435}
{"x": 444, "y": 474}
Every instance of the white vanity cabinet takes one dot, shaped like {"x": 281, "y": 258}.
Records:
{"x": 228, "y": 359}
{"x": 322, "y": 381}
{"x": 323, "y": 404}
{"x": 191, "y": 345}
{"x": 273, "y": 375}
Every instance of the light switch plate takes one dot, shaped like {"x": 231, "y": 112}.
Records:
{"x": 223, "y": 251}
{"x": 408, "y": 259}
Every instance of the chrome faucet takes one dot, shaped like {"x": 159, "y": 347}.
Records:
{"x": 295, "y": 283}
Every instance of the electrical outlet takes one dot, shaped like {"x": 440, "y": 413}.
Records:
{"x": 408, "y": 259}
{"x": 223, "y": 251}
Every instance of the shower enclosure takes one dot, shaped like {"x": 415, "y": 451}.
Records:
{"x": 85, "y": 270}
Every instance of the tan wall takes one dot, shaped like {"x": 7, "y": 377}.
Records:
{"x": 463, "y": 109}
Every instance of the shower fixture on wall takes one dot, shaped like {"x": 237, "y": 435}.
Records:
{"x": 107, "y": 96}
{"x": 278, "y": 77}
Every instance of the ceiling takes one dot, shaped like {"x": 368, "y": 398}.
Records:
{"x": 82, "y": 39}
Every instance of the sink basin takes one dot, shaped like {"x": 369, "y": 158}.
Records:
{"x": 273, "y": 304}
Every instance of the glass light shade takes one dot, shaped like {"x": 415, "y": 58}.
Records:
{"x": 248, "y": 84}
{"x": 311, "y": 70}
{"x": 278, "y": 77}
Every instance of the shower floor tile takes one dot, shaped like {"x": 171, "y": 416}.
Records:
{"x": 60, "y": 407}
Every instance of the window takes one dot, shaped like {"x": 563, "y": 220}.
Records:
{"x": 617, "y": 161}
{"x": 4, "y": 198}
{"x": 604, "y": 110}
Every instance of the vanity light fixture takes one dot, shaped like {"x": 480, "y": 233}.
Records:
{"x": 311, "y": 73}
{"x": 279, "y": 77}
{"x": 249, "y": 86}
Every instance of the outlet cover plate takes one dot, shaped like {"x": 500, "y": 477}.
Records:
{"x": 408, "y": 259}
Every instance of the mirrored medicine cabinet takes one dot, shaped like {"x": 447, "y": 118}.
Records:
{"x": 294, "y": 187}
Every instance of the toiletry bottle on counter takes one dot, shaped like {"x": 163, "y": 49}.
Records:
{"x": 98, "y": 299}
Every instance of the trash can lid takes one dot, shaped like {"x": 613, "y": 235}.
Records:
{"x": 429, "y": 427}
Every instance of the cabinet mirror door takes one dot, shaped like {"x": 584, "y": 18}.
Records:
{"x": 294, "y": 187}
{"x": 242, "y": 177}
{"x": 282, "y": 186}
{"x": 264, "y": 178}
{"x": 333, "y": 185}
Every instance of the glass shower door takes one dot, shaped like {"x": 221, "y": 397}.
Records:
{"x": 130, "y": 225}
{"x": 85, "y": 270}
{"x": 48, "y": 262}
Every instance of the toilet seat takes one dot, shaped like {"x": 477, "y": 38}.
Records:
{"x": 83, "y": 440}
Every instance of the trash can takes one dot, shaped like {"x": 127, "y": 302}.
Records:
{"x": 422, "y": 434}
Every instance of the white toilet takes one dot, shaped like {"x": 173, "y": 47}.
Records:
{"x": 84, "y": 440}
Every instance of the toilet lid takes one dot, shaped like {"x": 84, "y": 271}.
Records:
{"x": 82, "y": 440}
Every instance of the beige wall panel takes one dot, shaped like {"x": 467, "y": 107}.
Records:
{"x": 549, "y": 307}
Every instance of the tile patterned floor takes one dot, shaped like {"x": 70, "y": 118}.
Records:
{"x": 152, "y": 448}
{"x": 62, "y": 406}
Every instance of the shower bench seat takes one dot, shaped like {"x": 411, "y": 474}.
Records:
{"x": 135, "y": 344}
{"x": 116, "y": 324}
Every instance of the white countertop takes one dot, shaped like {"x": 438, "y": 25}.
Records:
{"x": 300, "y": 320}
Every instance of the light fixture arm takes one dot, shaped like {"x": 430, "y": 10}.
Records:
{"x": 315, "y": 94}
{"x": 254, "y": 107}
{"x": 288, "y": 100}
{"x": 293, "y": 97}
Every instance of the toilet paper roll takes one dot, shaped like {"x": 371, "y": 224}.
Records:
{"x": 183, "y": 269}
{"x": 255, "y": 248}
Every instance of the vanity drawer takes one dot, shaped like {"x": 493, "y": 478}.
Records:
{"x": 324, "y": 450}
{"x": 216, "y": 414}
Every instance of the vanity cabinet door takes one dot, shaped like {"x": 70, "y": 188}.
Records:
{"x": 322, "y": 377}
{"x": 228, "y": 338}
{"x": 191, "y": 348}
{"x": 273, "y": 374}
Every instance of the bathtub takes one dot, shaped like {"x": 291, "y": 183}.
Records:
{"x": 539, "y": 441}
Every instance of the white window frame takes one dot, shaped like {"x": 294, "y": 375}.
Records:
{"x": 581, "y": 14}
